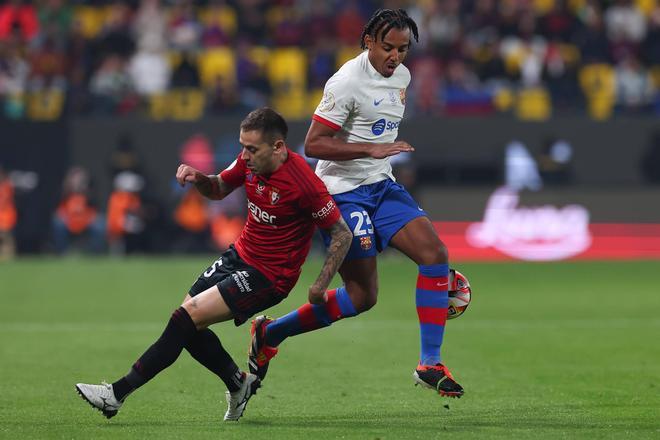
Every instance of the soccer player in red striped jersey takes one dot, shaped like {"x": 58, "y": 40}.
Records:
{"x": 354, "y": 133}
{"x": 286, "y": 201}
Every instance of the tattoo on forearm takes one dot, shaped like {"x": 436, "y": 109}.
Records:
{"x": 340, "y": 241}
{"x": 213, "y": 187}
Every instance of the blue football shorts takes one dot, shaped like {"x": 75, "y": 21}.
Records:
{"x": 374, "y": 213}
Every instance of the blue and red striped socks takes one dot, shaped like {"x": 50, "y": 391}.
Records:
{"x": 310, "y": 317}
{"x": 431, "y": 298}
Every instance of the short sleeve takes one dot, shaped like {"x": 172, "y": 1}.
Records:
{"x": 317, "y": 201}
{"x": 234, "y": 174}
{"x": 336, "y": 103}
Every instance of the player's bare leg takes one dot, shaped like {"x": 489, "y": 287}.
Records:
{"x": 419, "y": 241}
{"x": 359, "y": 294}
{"x": 207, "y": 308}
{"x": 361, "y": 280}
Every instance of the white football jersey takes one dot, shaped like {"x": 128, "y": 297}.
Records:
{"x": 363, "y": 106}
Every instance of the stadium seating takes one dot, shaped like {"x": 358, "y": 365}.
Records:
{"x": 218, "y": 62}
{"x": 185, "y": 104}
{"x": 222, "y": 16}
{"x": 533, "y": 104}
{"x": 598, "y": 85}
{"x": 287, "y": 73}
{"x": 90, "y": 19}
{"x": 45, "y": 105}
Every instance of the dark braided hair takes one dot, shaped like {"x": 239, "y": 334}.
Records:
{"x": 385, "y": 20}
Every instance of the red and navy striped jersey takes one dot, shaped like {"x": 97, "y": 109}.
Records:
{"x": 283, "y": 209}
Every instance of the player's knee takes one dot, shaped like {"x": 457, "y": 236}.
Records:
{"x": 368, "y": 303}
{"x": 434, "y": 253}
{"x": 363, "y": 299}
{"x": 196, "y": 314}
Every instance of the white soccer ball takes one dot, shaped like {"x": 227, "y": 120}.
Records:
{"x": 460, "y": 294}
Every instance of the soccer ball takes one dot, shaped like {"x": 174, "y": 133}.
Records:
{"x": 460, "y": 294}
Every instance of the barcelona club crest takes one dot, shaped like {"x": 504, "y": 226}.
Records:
{"x": 274, "y": 195}
{"x": 402, "y": 96}
{"x": 365, "y": 243}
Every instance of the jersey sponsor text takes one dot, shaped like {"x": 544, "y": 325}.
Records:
{"x": 260, "y": 215}
{"x": 325, "y": 211}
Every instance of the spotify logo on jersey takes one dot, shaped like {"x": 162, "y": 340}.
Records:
{"x": 379, "y": 127}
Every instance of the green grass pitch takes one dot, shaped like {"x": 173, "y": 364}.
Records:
{"x": 564, "y": 350}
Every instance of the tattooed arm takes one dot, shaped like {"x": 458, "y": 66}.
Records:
{"x": 210, "y": 186}
{"x": 340, "y": 241}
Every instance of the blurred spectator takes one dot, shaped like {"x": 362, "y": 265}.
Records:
{"x": 520, "y": 169}
{"x": 48, "y": 67}
{"x": 252, "y": 21}
{"x": 560, "y": 73}
{"x": 319, "y": 23}
{"x": 290, "y": 30}
{"x": 8, "y": 217}
{"x": 634, "y": 86}
{"x": 592, "y": 38}
{"x": 462, "y": 93}
{"x": 186, "y": 73}
{"x": 322, "y": 63}
{"x": 191, "y": 215}
{"x": 126, "y": 215}
{"x": 149, "y": 72}
{"x": 222, "y": 98}
{"x": 77, "y": 215}
{"x": 484, "y": 20}
{"x": 18, "y": 16}
{"x": 555, "y": 161}
{"x": 349, "y": 24}
{"x": 125, "y": 157}
{"x": 110, "y": 85}
{"x": 558, "y": 24}
{"x": 444, "y": 28}
{"x": 426, "y": 87}
{"x": 149, "y": 27}
{"x": 255, "y": 89}
{"x": 184, "y": 30}
{"x": 625, "y": 22}
{"x": 14, "y": 72}
{"x": 626, "y": 28}
{"x": 116, "y": 35}
{"x": 214, "y": 35}
{"x": 80, "y": 59}
{"x": 111, "y": 61}
{"x": 55, "y": 19}
{"x": 143, "y": 216}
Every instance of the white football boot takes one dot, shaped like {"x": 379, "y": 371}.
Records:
{"x": 100, "y": 397}
{"x": 238, "y": 400}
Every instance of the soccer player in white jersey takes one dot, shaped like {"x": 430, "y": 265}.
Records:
{"x": 353, "y": 133}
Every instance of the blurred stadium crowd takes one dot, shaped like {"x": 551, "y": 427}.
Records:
{"x": 185, "y": 59}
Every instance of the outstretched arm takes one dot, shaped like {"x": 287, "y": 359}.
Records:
{"x": 340, "y": 242}
{"x": 211, "y": 186}
{"x": 321, "y": 143}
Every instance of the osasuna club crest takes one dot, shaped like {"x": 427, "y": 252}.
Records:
{"x": 274, "y": 195}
